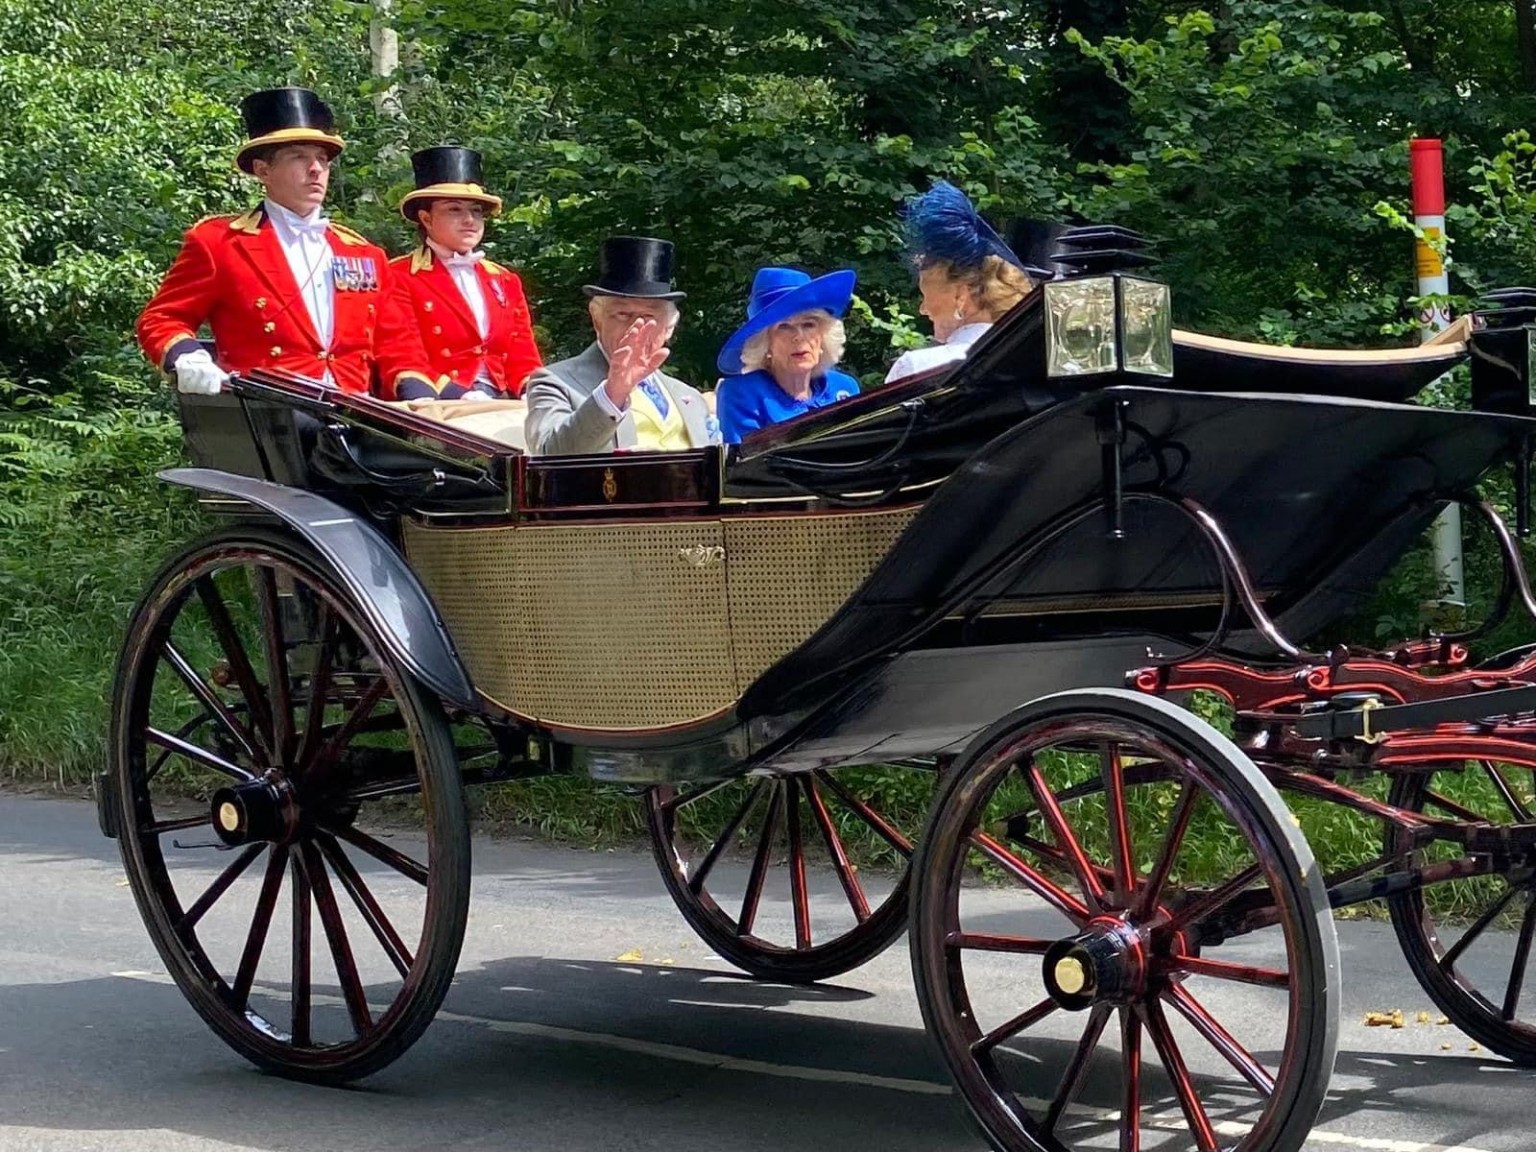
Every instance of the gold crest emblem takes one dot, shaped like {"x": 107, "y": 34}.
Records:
{"x": 610, "y": 485}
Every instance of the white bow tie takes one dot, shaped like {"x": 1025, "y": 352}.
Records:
{"x": 463, "y": 259}
{"x": 310, "y": 229}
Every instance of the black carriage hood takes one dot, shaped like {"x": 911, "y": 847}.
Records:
{"x": 1319, "y": 495}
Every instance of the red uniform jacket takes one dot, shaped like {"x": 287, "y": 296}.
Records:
{"x": 426, "y": 320}
{"x": 231, "y": 274}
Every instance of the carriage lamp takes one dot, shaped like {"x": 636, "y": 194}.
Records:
{"x": 1110, "y": 323}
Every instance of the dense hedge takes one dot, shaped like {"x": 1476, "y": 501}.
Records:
{"x": 1264, "y": 143}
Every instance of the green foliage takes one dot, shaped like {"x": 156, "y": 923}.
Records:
{"x": 1263, "y": 141}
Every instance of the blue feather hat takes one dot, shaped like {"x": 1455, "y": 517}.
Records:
{"x": 943, "y": 224}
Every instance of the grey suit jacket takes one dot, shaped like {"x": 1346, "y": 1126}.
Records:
{"x": 564, "y": 417}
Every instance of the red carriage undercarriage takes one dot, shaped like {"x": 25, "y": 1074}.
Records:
{"x": 973, "y": 588}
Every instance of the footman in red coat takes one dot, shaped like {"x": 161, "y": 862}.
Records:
{"x": 448, "y": 307}
{"x": 279, "y": 286}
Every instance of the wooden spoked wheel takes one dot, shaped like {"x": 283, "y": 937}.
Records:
{"x": 721, "y": 847}
{"x": 1468, "y": 940}
{"x": 290, "y": 814}
{"x": 1120, "y": 939}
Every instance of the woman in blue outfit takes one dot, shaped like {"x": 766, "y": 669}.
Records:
{"x": 779, "y": 363}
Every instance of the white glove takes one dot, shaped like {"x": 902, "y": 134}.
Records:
{"x": 477, "y": 394}
{"x": 196, "y": 372}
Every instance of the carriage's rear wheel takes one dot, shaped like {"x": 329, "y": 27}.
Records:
{"x": 721, "y": 847}
{"x": 1153, "y": 965}
{"x": 290, "y": 814}
{"x": 1468, "y": 941}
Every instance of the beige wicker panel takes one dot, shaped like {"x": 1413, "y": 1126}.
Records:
{"x": 789, "y": 574}
{"x": 594, "y": 626}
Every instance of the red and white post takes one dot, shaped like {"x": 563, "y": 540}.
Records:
{"x": 1427, "y": 172}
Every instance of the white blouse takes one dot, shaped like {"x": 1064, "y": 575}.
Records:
{"x": 922, "y": 359}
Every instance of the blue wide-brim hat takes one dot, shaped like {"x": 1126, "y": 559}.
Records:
{"x": 778, "y": 294}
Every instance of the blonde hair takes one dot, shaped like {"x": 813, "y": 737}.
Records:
{"x": 995, "y": 284}
{"x": 834, "y": 338}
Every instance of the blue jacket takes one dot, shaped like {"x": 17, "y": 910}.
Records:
{"x": 754, "y": 400}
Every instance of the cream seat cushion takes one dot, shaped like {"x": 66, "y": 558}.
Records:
{"x": 499, "y": 420}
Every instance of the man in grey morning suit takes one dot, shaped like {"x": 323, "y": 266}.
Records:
{"x": 614, "y": 395}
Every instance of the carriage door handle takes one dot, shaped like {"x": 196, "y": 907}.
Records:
{"x": 703, "y": 555}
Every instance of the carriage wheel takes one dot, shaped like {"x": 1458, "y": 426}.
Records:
{"x": 290, "y": 814}
{"x": 811, "y": 830}
{"x": 1468, "y": 941}
{"x": 1154, "y": 964}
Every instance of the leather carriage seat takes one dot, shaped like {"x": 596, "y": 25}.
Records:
{"x": 499, "y": 420}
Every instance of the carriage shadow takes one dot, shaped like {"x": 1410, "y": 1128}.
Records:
{"x": 539, "y": 1052}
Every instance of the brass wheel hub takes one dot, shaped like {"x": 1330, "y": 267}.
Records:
{"x": 1106, "y": 962}
{"x": 258, "y": 810}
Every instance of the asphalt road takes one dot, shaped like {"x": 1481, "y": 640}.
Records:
{"x": 550, "y": 1041}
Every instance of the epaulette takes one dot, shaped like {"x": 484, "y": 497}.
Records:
{"x": 492, "y": 267}
{"x": 421, "y": 259}
{"x": 348, "y": 236}
{"x": 245, "y": 222}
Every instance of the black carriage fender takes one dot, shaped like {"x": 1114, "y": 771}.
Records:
{"x": 368, "y": 565}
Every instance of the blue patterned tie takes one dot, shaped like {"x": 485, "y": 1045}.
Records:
{"x": 657, "y": 394}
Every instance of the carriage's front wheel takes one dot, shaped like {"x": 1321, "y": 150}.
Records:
{"x": 290, "y": 814}
{"x": 1153, "y": 964}
{"x": 721, "y": 847}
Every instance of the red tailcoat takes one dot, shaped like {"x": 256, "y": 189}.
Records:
{"x": 426, "y": 320}
{"x": 232, "y": 275}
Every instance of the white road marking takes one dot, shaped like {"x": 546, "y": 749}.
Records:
{"x": 726, "y": 1063}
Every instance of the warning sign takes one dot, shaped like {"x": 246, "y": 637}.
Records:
{"x": 1426, "y": 260}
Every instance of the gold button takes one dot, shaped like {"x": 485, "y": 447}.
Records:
{"x": 479, "y": 349}
{"x": 276, "y": 350}
{"x": 445, "y": 353}
{"x": 454, "y": 374}
{"x": 427, "y": 306}
{"x": 261, "y": 301}
{"x": 437, "y": 329}
{"x": 269, "y": 327}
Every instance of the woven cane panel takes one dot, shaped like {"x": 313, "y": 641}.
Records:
{"x": 597, "y": 626}
{"x": 789, "y": 574}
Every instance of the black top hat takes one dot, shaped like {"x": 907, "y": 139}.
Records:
{"x": 447, "y": 173}
{"x": 1035, "y": 243}
{"x": 634, "y": 266}
{"x": 285, "y": 116}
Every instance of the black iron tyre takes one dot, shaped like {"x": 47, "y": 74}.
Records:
{"x": 802, "y": 807}
{"x": 1454, "y": 972}
{"x": 1109, "y": 928}
{"x": 299, "y": 769}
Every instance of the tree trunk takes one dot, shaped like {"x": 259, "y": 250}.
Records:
{"x": 1525, "y": 41}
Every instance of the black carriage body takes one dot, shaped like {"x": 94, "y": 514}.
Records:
{"x": 876, "y": 580}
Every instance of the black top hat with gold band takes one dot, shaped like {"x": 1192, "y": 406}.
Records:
{"x": 447, "y": 173}
{"x": 276, "y": 116}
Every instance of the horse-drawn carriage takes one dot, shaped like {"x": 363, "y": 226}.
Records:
{"x": 982, "y": 584}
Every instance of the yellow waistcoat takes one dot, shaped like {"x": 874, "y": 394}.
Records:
{"x": 653, "y": 432}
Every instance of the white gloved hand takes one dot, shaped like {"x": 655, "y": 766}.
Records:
{"x": 477, "y": 394}
{"x": 196, "y": 372}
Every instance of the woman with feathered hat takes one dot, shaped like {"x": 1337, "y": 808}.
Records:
{"x": 454, "y": 325}
{"x": 780, "y": 362}
{"x": 968, "y": 277}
